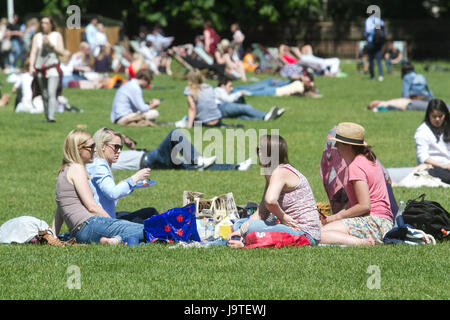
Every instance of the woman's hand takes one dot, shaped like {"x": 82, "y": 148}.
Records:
{"x": 32, "y": 70}
{"x": 235, "y": 243}
{"x": 141, "y": 175}
{"x": 234, "y": 234}
{"x": 289, "y": 221}
{"x": 327, "y": 219}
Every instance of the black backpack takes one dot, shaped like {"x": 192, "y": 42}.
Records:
{"x": 428, "y": 216}
{"x": 379, "y": 37}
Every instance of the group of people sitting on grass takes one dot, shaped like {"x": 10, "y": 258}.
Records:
{"x": 87, "y": 195}
{"x": 53, "y": 68}
{"x": 206, "y": 105}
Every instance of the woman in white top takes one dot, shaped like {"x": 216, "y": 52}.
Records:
{"x": 432, "y": 139}
{"x": 46, "y": 49}
{"x": 433, "y": 136}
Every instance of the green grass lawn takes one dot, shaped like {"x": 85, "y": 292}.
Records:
{"x": 30, "y": 155}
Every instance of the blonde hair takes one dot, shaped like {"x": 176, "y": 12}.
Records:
{"x": 71, "y": 148}
{"x": 102, "y": 137}
{"x": 195, "y": 81}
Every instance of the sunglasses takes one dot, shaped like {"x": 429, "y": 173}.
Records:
{"x": 116, "y": 147}
{"x": 91, "y": 147}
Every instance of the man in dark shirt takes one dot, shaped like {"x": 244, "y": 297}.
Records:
{"x": 17, "y": 44}
{"x": 392, "y": 56}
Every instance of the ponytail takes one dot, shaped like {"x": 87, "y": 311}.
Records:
{"x": 366, "y": 151}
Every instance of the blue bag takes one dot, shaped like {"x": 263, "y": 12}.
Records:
{"x": 177, "y": 224}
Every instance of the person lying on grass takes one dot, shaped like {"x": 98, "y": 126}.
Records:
{"x": 287, "y": 197}
{"x": 369, "y": 214}
{"x": 399, "y": 104}
{"x": 165, "y": 156}
{"x": 87, "y": 221}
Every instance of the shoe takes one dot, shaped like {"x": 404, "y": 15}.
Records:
{"x": 51, "y": 120}
{"x": 280, "y": 113}
{"x": 272, "y": 114}
{"x": 182, "y": 123}
{"x": 246, "y": 165}
{"x": 203, "y": 163}
{"x": 380, "y": 78}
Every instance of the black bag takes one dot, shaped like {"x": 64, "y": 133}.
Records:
{"x": 379, "y": 37}
{"x": 428, "y": 216}
{"x": 443, "y": 174}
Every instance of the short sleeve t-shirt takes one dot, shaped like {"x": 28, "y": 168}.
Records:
{"x": 207, "y": 109}
{"x": 362, "y": 169}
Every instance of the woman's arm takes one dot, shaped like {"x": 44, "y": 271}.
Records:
{"x": 78, "y": 177}
{"x": 59, "y": 48}
{"x": 405, "y": 86}
{"x": 33, "y": 54}
{"x": 57, "y": 223}
{"x": 219, "y": 58}
{"x": 102, "y": 177}
{"x": 361, "y": 208}
{"x": 424, "y": 138}
{"x": 207, "y": 37}
{"x": 192, "y": 111}
{"x": 276, "y": 185}
{"x": 434, "y": 163}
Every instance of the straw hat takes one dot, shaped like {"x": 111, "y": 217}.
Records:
{"x": 350, "y": 133}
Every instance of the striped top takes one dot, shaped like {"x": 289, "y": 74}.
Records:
{"x": 299, "y": 203}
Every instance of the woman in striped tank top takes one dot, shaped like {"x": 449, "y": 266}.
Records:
{"x": 287, "y": 197}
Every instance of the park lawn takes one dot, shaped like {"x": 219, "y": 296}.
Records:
{"x": 30, "y": 155}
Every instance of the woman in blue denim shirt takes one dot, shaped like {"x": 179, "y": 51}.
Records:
{"x": 109, "y": 144}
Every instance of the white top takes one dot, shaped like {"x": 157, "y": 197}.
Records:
{"x": 24, "y": 83}
{"x": 222, "y": 96}
{"x": 428, "y": 147}
{"x": 46, "y": 56}
{"x": 238, "y": 36}
{"x": 101, "y": 40}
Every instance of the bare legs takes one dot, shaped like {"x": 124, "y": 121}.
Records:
{"x": 399, "y": 103}
{"x": 336, "y": 233}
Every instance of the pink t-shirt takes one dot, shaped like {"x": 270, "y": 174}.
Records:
{"x": 362, "y": 169}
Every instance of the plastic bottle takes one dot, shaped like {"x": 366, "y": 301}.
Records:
{"x": 399, "y": 217}
{"x": 210, "y": 229}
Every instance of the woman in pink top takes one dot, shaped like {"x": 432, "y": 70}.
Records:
{"x": 368, "y": 216}
{"x": 287, "y": 197}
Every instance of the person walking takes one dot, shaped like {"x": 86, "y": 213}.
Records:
{"x": 375, "y": 33}
{"x": 46, "y": 49}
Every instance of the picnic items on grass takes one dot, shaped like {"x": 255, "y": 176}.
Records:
{"x": 27, "y": 229}
{"x": 222, "y": 209}
{"x": 173, "y": 225}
